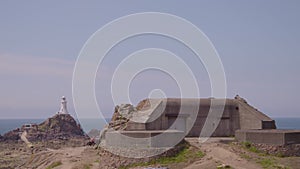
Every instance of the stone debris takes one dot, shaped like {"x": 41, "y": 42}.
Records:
{"x": 279, "y": 150}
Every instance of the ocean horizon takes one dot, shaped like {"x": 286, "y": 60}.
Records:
{"x": 7, "y": 125}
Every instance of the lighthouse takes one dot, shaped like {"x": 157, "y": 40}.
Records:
{"x": 63, "y": 106}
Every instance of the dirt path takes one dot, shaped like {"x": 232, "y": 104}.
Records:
{"x": 69, "y": 156}
{"x": 218, "y": 153}
{"x": 65, "y": 158}
{"x": 23, "y": 138}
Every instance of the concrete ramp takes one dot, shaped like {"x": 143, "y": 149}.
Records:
{"x": 251, "y": 118}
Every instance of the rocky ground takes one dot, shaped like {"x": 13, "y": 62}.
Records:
{"x": 16, "y": 154}
{"x": 224, "y": 152}
{"x": 217, "y": 152}
{"x": 21, "y": 147}
{"x": 60, "y": 143}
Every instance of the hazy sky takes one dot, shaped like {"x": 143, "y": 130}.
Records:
{"x": 258, "y": 43}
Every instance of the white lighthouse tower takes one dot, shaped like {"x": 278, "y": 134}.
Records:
{"x": 63, "y": 106}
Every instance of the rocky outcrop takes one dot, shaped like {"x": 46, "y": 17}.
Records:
{"x": 60, "y": 126}
{"x": 124, "y": 112}
{"x": 121, "y": 116}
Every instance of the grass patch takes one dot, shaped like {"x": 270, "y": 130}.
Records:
{"x": 267, "y": 163}
{"x": 183, "y": 156}
{"x": 54, "y": 164}
{"x": 250, "y": 147}
{"x": 87, "y": 166}
{"x": 280, "y": 155}
{"x": 245, "y": 156}
{"x": 254, "y": 149}
{"x": 180, "y": 157}
{"x": 200, "y": 154}
{"x": 270, "y": 163}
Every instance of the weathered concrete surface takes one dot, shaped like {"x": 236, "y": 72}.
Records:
{"x": 141, "y": 139}
{"x": 175, "y": 113}
{"x": 251, "y": 118}
{"x": 276, "y": 137}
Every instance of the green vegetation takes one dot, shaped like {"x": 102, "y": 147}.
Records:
{"x": 266, "y": 161}
{"x": 183, "y": 156}
{"x": 200, "y": 154}
{"x": 280, "y": 155}
{"x": 54, "y": 164}
{"x": 245, "y": 156}
{"x": 250, "y": 147}
{"x": 270, "y": 163}
{"x": 87, "y": 166}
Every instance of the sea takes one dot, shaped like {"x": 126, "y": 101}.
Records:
{"x": 89, "y": 124}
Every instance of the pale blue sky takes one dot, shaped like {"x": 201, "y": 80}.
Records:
{"x": 258, "y": 42}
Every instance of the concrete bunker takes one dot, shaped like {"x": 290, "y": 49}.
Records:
{"x": 237, "y": 114}
{"x": 154, "y": 116}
